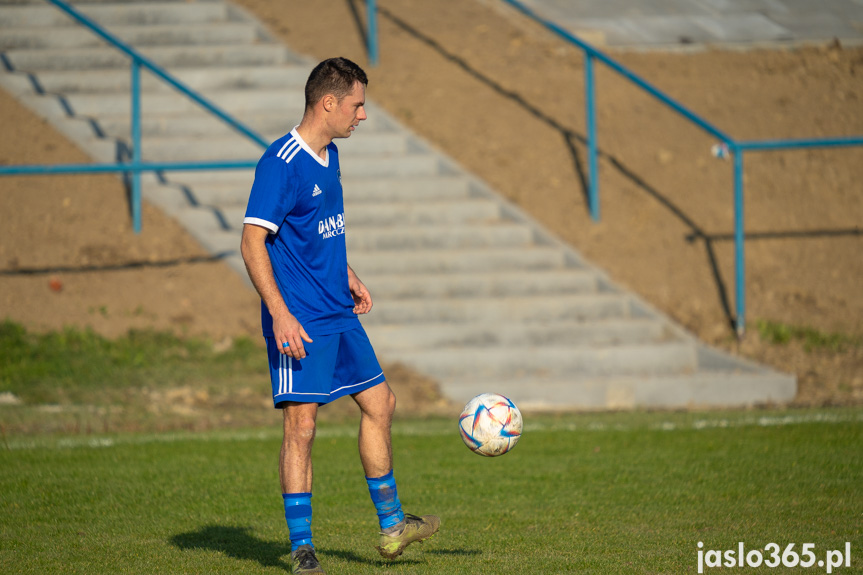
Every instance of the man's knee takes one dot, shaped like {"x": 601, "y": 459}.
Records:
{"x": 378, "y": 403}
{"x": 299, "y": 424}
{"x": 391, "y": 401}
{"x": 385, "y": 406}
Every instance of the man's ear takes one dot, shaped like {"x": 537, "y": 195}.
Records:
{"x": 329, "y": 102}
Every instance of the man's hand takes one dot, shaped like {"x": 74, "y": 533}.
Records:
{"x": 287, "y": 329}
{"x": 362, "y": 297}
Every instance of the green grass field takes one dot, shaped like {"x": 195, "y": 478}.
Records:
{"x": 80, "y": 366}
{"x": 604, "y": 493}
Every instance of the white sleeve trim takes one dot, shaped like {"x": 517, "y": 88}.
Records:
{"x": 273, "y": 228}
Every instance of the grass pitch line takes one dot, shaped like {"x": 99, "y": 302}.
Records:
{"x": 617, "y": 422}
{"x": 772, "y": 421}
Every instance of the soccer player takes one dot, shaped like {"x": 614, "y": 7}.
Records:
{"x": 294, "y": 249}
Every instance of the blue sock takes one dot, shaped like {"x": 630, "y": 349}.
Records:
{"x": 298, "y": 513}
{"x": 385, "y": 496}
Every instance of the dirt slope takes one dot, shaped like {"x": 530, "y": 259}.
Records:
{"x": 504, "y": 98}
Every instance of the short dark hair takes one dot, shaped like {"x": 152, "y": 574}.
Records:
{"x": 335, "y": 76}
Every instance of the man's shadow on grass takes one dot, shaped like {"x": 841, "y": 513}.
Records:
{"x": 236, "y": 542}
{"x": 240, "y": 543}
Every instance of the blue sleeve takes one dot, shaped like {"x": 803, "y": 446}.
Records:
{"x": 273, "y": 194}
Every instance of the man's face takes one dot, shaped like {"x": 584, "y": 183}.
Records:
{"x": 349, "y": 112}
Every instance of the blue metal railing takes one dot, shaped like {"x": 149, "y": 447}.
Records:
{"x": 136, "y": 166}
{"x": 728, "y": 146}
{"x": 372, "y": 32}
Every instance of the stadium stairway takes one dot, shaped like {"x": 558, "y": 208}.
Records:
{"x": 468, "y": 289}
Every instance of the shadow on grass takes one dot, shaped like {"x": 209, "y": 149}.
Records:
{"x": 240, "y": 543}
{"x": 236, "y": 542}
{"x": 455, "y": 552}
{"x": 352, "y": 557}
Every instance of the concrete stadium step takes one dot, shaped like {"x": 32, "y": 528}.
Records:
{"x": 481, "y": 285}
{"x": 238, "y": 147}
{"x": 113, "y": 14}
{"x": 239, "y": 178}
{"x": 211, "y": 220}
{"x": 223, "y": 242}
{"x": 416, "y": 189}
{"x": 272, "y": 100}
{"x": 567, "y": 391}
{"x": 365, "y": 236}
{"x": 471, "y": 211}
{"x": 64, "y": 37}
{"x": 522, "y": 310}
{"x": 392, "y": 339}
{"x": 408, "y": 214}
{"x": 190, "y": 148}
{"x": 410, "y": 165}
{"x": 173, "y": 197}
{"x": 193, "y": 122}
{"x": 164, "y": 56}
{"x": 216, "y": 219}
{"x": 436, "y": 236}
{"x": 406, "y": 226}
{"x": 506, "y": 362}
{"x": 203, "y": 79}
{"x": 357, "y": 190}
{"x": 526, "y": 259}
{"x": 197, "y": 122}
{"x": 106, "y": 151}
{"x": 420, "y": 165}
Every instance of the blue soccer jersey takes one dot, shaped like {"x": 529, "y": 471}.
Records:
{"x": 297, "y": 197}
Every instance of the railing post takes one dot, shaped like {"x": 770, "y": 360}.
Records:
{"x": 136, "y": 145}
{"x": 372, "y": 32}
{"x": 739, "y": 238}
{"x": 593, "y": 168}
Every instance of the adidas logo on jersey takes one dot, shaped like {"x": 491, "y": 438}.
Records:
{"x": 317, "y": 191}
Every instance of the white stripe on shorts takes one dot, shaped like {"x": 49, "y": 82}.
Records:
{"x": 286, "y": 374}
{"x": 356, "y": 384}
{"x": 290, "y": 374}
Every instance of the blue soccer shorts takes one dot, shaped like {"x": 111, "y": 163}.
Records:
{"x": 335, "y": 365}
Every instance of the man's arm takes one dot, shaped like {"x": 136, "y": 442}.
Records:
{"x": 286, "y": 328}
{"x": 362, "y": 297}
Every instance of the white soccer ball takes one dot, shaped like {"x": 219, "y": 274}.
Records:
{"x": 490, "y": 424}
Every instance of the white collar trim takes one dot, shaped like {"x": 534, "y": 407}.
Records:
{"x": 324, "y": 162}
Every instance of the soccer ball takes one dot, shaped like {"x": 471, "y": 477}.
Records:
{"x": 490, "y": 424}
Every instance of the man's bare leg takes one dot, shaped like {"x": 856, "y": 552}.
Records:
{"x": 377, "y": 405}
{"x": 295, "y": 459}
